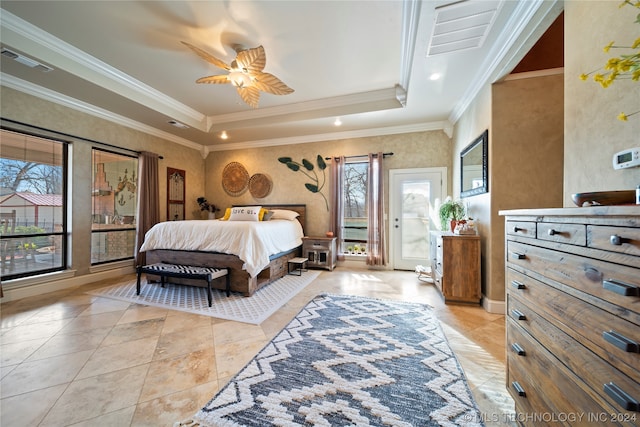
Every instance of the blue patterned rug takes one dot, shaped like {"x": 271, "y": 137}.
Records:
{"x": 346, "y": 360}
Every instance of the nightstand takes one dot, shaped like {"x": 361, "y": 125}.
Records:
{"x": 320, "y": 252}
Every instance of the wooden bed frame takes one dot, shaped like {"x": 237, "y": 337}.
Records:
{"x": 240, "y": 279}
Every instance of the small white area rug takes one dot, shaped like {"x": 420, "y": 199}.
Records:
{"x": 192, "y": 299}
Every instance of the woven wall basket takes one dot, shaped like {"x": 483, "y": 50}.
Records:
{"x": 235, "y": 179}
{"x": 260, "y": 185}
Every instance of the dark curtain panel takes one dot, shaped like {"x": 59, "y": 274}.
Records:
{"x": 337, "y": 202}
{"x": 377, "y": 250}
{"x": 149, "y": 200}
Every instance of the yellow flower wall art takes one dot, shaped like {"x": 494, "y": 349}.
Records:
{"x": 626, "y": 66}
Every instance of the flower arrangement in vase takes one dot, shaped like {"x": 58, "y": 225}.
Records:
{"x": 211, "y": 209}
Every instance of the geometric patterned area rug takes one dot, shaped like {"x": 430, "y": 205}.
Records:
{"x": 346, "y": 360}
{"x": 193, "y": 299}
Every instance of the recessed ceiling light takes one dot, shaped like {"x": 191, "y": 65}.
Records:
{"x": 337, "y": 122}
{"x": 223, "y": 135}
{"x": 434, "y": 76}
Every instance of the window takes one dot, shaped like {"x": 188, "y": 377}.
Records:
{"x": 33, "y": 205}
{"x": 355, "y": 208}
{"x": 114, "y": 199}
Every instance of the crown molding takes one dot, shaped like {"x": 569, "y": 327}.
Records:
{"x": 377, "y": 100}
{"x": 303, "y": 139}
{"x": 516, "y": 34}
{"x": 24, "y": 35}
{"x": 66, "y": 101}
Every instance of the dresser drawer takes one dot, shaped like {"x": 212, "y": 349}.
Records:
{"x": 521, "y": 228}
{"x": 573, "y": 234}
{"x": 563, "y": 393}
{"x": 617, "y": 239}
{"x": 586, "y": 373}
{"x": 617, "y": 284}
{"x": 612, "y": 338}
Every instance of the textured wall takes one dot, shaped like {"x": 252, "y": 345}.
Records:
{"x": 592, "y": 131}
{"x": 34, "y": 111}
{"x": 414, "y": 150}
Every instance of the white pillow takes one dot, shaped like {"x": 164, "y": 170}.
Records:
{"x": 245, "y": 213}
{"x": 284, "y": 214}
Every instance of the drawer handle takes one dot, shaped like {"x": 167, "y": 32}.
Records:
{"x": 516, "y": 229}
{"x": 621, "y": 397}
{"x": 615, "y": 240}
{"x": 621, "y": 288}
{"x": 517, "y": 349}
{"x": 516, "y": 255}
{"x": 518, "y": 388}
{"x": 553, "y": 232}
{"x": 518, "y": 315}
{"x": 622, "y": 342}
{"x": 518, "y": 285}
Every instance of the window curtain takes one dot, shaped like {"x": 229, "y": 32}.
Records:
{"x": 376, "y": 252}
{"x": 149, "y": 200}
{"x": 337, "y": 202}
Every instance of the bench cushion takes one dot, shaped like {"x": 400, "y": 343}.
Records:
{"x": 184, "y": 270}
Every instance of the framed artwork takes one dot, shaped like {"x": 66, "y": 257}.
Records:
{"x": 175, "y": 194}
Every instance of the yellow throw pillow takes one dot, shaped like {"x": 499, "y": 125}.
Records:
{"x": 263, "y": 211}
{"x": 227, "y": 214}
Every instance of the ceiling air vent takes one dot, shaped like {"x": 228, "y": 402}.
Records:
{"x": 462, "y": 25}
{"x": 25, "y": 60}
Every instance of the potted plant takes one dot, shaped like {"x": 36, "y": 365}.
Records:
{"x": 451, "y": 211}
{"x": 208, "y": 207}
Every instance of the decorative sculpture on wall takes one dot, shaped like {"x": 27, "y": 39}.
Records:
{"x": 308, "y": 169}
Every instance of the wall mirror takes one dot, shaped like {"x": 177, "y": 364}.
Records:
{"x": 474, "y": 167}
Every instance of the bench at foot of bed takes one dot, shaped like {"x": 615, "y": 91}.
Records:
{"x": 164, "y": 269}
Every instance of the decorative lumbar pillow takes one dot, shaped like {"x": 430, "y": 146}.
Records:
{"x": 227, "y": 214}
{"x": 245, "y": 213}
{"x": 284, "y": 214}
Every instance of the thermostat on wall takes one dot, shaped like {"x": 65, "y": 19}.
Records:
{"x": 627, "y": 158}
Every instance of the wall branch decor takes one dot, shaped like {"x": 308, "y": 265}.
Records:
{"x": 309, "y": 170}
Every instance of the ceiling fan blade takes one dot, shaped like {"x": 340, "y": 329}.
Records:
{"x": 253, "y": 60}
{"x": 269, "y": 83}
{"x": 250, "y": 95}
{"x": 208, "y": 57}
{"x": 220, "y": 79}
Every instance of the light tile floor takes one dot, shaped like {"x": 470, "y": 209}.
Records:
{"x": 72, "y": 359}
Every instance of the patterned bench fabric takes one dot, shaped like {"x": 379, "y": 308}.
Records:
{"x": 185, "y": 271}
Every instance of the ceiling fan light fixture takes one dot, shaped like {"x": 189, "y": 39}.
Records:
{"x": 245, "y": 73}
{"x": 240, "y": 78}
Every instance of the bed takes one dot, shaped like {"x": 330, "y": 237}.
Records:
{"x": 243, "y": 255}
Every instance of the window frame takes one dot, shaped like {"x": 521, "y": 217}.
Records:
{"x": 96, "y": 228}
{"x": 62, "y": 235}
{"x": 347, "y": 242}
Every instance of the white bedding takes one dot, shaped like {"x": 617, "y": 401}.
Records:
{"x": 252, "y": 242}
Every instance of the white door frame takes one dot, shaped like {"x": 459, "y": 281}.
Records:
{"x": 393, "y": 175}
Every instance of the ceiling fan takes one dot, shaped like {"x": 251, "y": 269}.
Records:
{"x": 245, "y": 73}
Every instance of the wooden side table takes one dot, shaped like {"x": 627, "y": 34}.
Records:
{"x": 320, "y": 251}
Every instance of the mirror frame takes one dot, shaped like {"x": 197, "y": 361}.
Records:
{"x": 482, "y": 140}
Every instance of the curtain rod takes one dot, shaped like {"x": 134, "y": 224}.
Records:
{"x": 66, "y": 135}
{"x": 360, "y": 155}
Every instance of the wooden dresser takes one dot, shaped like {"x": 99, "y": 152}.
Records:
{"x": 455, "y": 266}
{"x": 573, "y": 315}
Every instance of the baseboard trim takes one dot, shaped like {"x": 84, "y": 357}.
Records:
{"x": 494, "y": 306}
{"x": 32, "y": 286}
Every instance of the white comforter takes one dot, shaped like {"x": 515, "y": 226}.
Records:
{"x": 252, "y": 242}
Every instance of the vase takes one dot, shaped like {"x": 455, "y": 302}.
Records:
{"x": 212, "y": 215}
{"x": 453, "y": 224}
